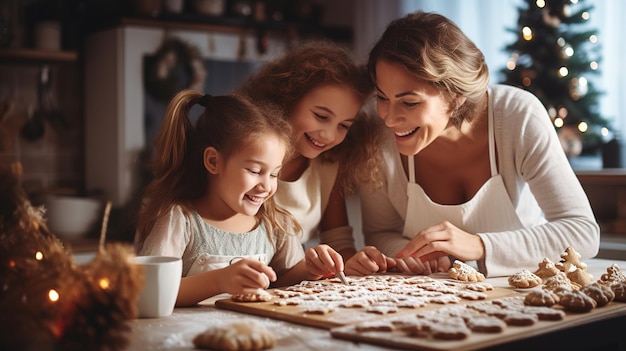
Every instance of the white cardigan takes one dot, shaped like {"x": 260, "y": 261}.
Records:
{"x": 540, "y": 182}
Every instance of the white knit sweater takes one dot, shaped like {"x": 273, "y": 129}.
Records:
{"x": 539, "y": 180}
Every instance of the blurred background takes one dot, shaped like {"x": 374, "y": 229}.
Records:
{"x": 84, "y": 83}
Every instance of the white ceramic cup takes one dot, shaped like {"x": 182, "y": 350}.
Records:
{"x": 161, "y": 281}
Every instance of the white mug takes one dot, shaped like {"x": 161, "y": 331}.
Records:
{"x": 161, "y": 281}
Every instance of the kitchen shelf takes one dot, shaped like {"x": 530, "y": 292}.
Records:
{"x": 225, "y": 24}
{"x": 38, "y": 55}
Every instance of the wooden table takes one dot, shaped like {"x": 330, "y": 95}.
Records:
{"x": 176, "y": 331}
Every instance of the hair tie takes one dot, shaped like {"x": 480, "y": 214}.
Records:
{"x": 204, "y": 100}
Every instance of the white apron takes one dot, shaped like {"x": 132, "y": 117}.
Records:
{"x": 490, "y": 210}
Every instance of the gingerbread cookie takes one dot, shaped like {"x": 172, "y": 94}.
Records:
{"x": 486, "y": 324}
{"x": 613, "y": 275}
{"x": 463, "y": 271}
{"x": 450, "y": 330}
{"x": 546, "y": 269}
{"x": 619, "y": 289}
{"x": 259, "y": 296}
{"x": 577, "y": 301}
{"x": 545, "y": 313}
{"x": 599, "y": 292}
{"x": 541, "y": 297}
{"x": 560, "y": 281}
{"x": 524, "y": 279}
{"x": 575, "y": 270}
{"x": 237, "y": 336}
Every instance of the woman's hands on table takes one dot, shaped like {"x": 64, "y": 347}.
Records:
{"x": 435, "y": 243}
{"x": 368, "y": 261}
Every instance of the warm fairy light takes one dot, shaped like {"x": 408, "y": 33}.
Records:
{"x": 574, "y": 1}
{"x": 510, "y": 64}
{"x": 527, "y": 33}
{"x": 53, "y": 295}
{"x": 593, "y": 65}
{"x": 567, "y": 11}
{"x": 560, "y": 41}
{"x": 585, "y": 15}
{"x": 604, "y": 131}
{"x": 104, "y": 283}
{"x": 583, "y": 127}
{"x": 563, "y": 72}
{"x": 39, "y": 255}
{"x": 526, "y": 81}
{"x": 540, "y": 3}
{"x": 552, "y": 112}
{"x": 569, "y": 51}
{"x": 558, "y": 122}
{"x": 593, "y": 38}
{"x": 562, "y": 112}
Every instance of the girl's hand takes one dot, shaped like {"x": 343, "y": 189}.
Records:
{"x": 367, "y": 261}
{"x": 323, "y": 260}
{"x": 246, "y": 276}
{"x": 444, "y": 239}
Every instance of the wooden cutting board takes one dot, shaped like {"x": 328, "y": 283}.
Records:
{"x": 341, "y": 316}
{"x": 475, "y": 341}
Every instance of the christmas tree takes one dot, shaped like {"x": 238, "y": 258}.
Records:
{"x": 554, "y": 57}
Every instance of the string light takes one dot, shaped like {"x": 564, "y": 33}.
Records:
{"x": 540, "y": 3}
{"x": 593, "y": 65}
{"x": 583, "y": 126}
{"x": 558, "y": 122}
{"x": 527, "y": 33}
{"x": 38, "y": 255}
{"x": 53, "y": 295}
{"x": 563, "y": 72}
{"x": 104, "y": 283}
{"x": 510, "y": 64}
{"x": 605, "y": 131}
{"x": 593, "y": 38}
{"x": 585, "y": 15}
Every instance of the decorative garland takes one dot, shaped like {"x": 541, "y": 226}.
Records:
{"x": 47, "y": 301}
{"x": 176, "y": 65}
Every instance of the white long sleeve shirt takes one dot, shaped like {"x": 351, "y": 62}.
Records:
{"x": 539, "y": 180}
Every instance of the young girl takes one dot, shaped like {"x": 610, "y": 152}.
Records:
{"x": 210, "y": 201}
{"x": 322, "y": 92}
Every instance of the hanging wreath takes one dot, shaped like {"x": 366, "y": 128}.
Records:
{"x": 176, "y": 65}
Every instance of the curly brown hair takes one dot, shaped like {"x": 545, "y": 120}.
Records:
{"x": 287, "y": 79}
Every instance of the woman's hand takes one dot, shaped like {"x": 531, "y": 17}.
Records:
{"x": 323, "y": 260}
{"x": 367, "y": 261}
{"x": 415, "y": 265}
{"x": 246, "y": 276}
{"x": 441, "y": 240}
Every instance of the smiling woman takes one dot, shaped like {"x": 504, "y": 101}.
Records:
{"x": 481, "y": 169}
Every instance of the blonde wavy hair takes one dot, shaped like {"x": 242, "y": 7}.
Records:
{"x": 435, "y": 50}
